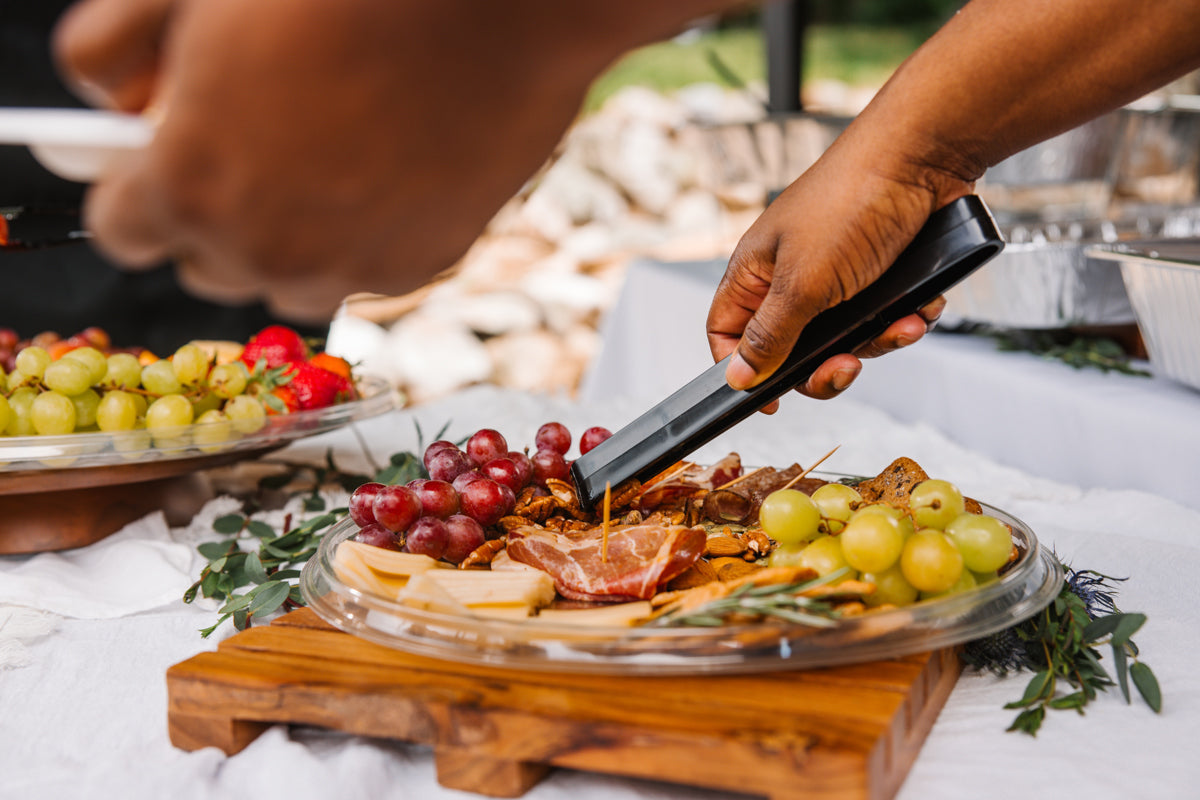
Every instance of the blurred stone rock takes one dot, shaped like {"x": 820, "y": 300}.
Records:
{"x": 669, "y": 177}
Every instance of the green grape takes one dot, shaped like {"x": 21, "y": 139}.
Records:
{"x": 930, "y": 561}
{"x": 246, "y": 413}
{"x": 935, "y": 503}
{"x": 891, "y": 588}
{"x": 5, "y": 413}
{"x": 124, "y": 371}
{"x": 19, "y": 404}
{"x": 205, "y": 402}
{"x": 985, "y": 542}
{"x": 823, "y": 554}
{"x": 227, "y": 380}
{"x": 140, "y": 402}
{"x": 213, "y": 429}
{"x": 132, "y": 444}
{"x": 190, "y": 364}
{"x": 982, "y": 578}
{"x": 118, "y": 411}
{"x": 898, "y": 514}
{"x": 872, "y": 542}
{"x": 171, "y": 411}
{"x": 966, "y": 581}
{"x": 86, "y": 404}
{"x": 15, "y": 380}
{"x": 837, "y": 502}
{"x": 68, "y": 376}
{"x": 52, "y": 414}
{"x": 32, "y": 361}
{"x": 790, "y": 517}
{"x": 785, "y": 557}
{"x": 95, "y": 361}
{"x": 159, "y": 378}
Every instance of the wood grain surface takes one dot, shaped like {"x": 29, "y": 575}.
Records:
{"x": 841, "y": 732}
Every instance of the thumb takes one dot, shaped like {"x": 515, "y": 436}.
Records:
{"x": 109, "y": 50}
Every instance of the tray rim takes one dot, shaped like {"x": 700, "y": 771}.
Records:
{"x": 1033, "y": 584}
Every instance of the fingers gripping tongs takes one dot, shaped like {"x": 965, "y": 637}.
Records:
{"x": 957, "y": 240}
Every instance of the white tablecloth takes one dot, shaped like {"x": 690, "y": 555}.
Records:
{"x": 1080, "y": 426}
{"x": 86, "y": 715}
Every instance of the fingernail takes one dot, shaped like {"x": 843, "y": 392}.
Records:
{"x": 739, "y": 375}
{"x": 842, "y": 378}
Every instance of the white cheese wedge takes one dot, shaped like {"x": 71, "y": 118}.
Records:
{"x": 614, "y": 616}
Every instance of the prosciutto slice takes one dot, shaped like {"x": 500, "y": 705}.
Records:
{"x": 640, "y": 558}
{"x": 694, "y": 480}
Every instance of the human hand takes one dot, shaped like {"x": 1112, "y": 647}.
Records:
{"x": 308, "y": 149}
{"x": 827, "y": 237}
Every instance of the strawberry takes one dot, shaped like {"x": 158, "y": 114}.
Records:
{"x": 316, "y": 387}
{"x": 275, "y": 344}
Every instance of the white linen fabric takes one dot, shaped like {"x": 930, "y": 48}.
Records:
{"x": 87, "y": 716}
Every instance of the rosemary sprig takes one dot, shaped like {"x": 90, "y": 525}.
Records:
{"x": 781, "y": 601}
{"x": 1060, "y": 645}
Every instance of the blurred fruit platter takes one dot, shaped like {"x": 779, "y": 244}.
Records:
{"x": 79, "y": 413}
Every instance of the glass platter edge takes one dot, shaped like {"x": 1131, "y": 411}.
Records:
{"x": 1024, "y": 590}
{"x": 30, "y": 464}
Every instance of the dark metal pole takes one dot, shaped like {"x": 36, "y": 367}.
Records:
{"x": 783, "y": 24}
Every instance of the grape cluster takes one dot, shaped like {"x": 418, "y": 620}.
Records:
{"x": 469, "y": 489}
{"x": 55, "y": 386}
{"x": 934, "y": 547}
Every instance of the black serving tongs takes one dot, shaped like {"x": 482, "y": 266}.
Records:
{"x": 957, "y": 240}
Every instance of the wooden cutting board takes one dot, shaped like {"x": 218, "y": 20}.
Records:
{"x": 841, "y": 732}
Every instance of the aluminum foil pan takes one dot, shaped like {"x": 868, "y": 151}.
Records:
{"x": 1162, "y": 278}
{"x": 1044, "y": 279}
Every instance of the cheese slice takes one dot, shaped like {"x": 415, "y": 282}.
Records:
{"x": 352, "y": 570}
{"x": 391, "y": 562}
{"x": 614, "y": 616}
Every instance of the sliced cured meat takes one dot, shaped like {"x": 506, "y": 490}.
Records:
{"x": 688, "y": 480}
{"x": 740, "y": 502}
{"x": 640, "y": 558}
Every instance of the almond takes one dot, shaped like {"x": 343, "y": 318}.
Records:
{"x": 723, "y": 545}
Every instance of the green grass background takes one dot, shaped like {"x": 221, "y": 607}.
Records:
{"x": 854, "y": 54}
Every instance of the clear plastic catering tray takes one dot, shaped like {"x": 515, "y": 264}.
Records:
{"x": 1026, "y": 588}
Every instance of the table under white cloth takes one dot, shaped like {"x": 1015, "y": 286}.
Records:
{"x": 85, "y": 717}
{"x": 1080, "y": 426}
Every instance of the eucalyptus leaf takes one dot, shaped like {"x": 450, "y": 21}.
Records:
{"x": 260, "y": 529}
{"x": 1147, "y": 685}
{"x": 1127, "y": 626}
{"x": 255, "y": 571}
{"x": 230, "y": 523}
{"x": 215, "y": 550}
{"x": 268, "y": 597}
{"x": 1122, "y": 669}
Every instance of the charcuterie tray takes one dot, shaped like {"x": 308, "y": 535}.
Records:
{"x": 1024, "y": 589}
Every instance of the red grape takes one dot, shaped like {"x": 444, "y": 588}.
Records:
{"x": 397, "y": 507}
{"x": 484, "y": 445}
{"x": 553, "y": 436}
{"x": 465, "y": 478}
{"x": 504, "y": 471}
{"x": 464, "y": 535}
{"x": 592, "y": 437}
{"x": 428, "y": 537}
{"x": 524, "y": 465}
{"x": 361, "y": 501}
{"x": 438, "y": 498}
{"x": 486, "y": 501}
{"x": 378, "y": 536}
{"x": 447, "y": 464}
{"x": 434, "y": 449}
{"x": 549, "y": 464}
